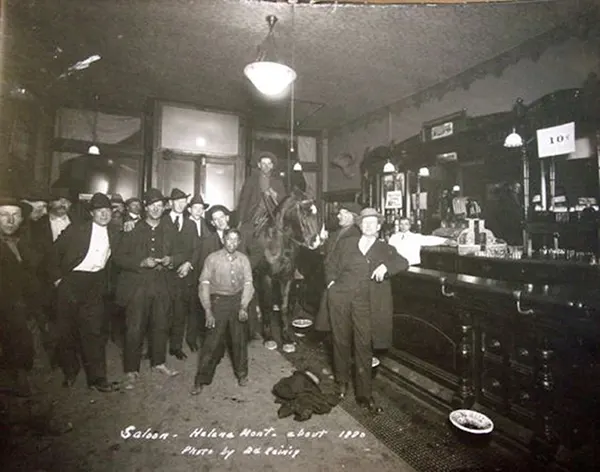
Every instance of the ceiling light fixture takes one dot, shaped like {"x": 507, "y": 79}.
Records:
{"x": 297, "y": 167}
{"x": 424, "y": 172}
{"x": 389, "y": 168}
{"x": 94, "y": 150}
{"x": 513, "y": 140}
{"x": 269, "y": 76}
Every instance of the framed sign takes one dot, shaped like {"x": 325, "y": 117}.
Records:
{"x": 444, "y": 127}
{"x": 393, "y": 199}
{"x": 556, "y": 140}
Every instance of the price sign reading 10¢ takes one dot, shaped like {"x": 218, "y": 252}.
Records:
{"x": 556, "y": 140}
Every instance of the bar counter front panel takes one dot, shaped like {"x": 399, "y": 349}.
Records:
{"x": 527, "y": 353}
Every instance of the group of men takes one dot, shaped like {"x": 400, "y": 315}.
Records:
{"x": 160, "y": 268}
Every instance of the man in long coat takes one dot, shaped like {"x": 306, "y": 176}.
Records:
{"x": 19, "y": 294}
{"x": 347, "y": 213}
{"x": 360, "y": 303}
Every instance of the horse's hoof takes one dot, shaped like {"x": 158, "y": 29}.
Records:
{"x": 289, "y": 348}
{"x": 271, "y": 345}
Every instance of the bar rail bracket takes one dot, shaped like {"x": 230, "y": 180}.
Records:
{"x": 520, "y": 310}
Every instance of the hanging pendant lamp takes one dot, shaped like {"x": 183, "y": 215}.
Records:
{"x": 269, "y": 76}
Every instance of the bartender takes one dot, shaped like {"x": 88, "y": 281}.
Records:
{"x": 409, "y": 244}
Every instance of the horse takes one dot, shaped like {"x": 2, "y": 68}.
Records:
{"x": 293, "y": 223}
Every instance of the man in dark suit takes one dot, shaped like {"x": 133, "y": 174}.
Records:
{"x": 133, "y": 213}
{"x": 19, "y": 294}
{"x": 346, "y": 216}
{"x": 146, "y": 255}
{"x": 181, "y": 278}
{"x": 195, "y": 322}
{"x": 360, "y": 303}
{"x": 78, "y": 269}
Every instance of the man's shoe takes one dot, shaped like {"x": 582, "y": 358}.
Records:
{"x": 104, "y": 386}
{"x": 130, "y": 380}
{"x": 178, "y": 353}
{"x": 197, "y": 390}
{"x": 163, "y": 369}
{"x": 342, "y": 389}
{"x": 68, "y": 382}
{"x": 369, "y": 404}
{"x": 243, "y": 381}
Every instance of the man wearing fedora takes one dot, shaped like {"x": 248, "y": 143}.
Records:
{"x": 133, "y": 213}
{"x": 20, "y": 294}
{"x": 182, "y": 278}
{"x": 147, "y": 255}
{"x": 196, "y": 209}
{"x": 78, "y": 269}
{"x": 348, "y": 212}
{"x": 360, "y": 303}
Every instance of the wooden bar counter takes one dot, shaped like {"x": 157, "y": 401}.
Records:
{"x": 524, "y": 353}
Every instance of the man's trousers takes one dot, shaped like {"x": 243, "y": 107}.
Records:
{"x": 350, "y": 318}
{"x": 228, "y": 330}
{"x": 82, "y": 325}
{"x": 148, "y": 311}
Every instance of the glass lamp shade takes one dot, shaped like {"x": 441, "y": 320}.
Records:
{"x": 297, "y": 167}
{"x": 270, "y": 78}
{"x": 389, "y": 168}
{"x": 513, "y": 140}
{"x": 94, "y": 150}
{"x": 424, "y": 172}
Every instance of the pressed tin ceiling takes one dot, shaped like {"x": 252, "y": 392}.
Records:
{"x": 350, "y": 59}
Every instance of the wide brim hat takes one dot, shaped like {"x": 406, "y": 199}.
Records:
{"x": 198, "y": 200}
{"x": 369, "y": 212}
{"x": 258, "y": 155}
{"x": 352, "y": 207}
{"x": 99, "y": 200}
{"x": 177, "y": 194}
{"x": 58, "y": 193}
{"x": 35, "y": 195}
{"x": 26, "y": 209}
{"x": 116, "y": 198}
{"x": 153, "y": 195}
{"x": 129, "y": 201}
{"x": 215, "y": 208}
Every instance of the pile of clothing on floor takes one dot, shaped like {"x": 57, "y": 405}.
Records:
{"x": 303, "y": 394}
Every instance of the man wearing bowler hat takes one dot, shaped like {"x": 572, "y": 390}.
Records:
{"x": 195, "y": 321}
{"x": 19, "y": 294}
{"x": 133, "y": 213}
{"x": 147, "y": 257}
{"x": 181, "y": 278}
{"x": 78, "y": 270}
{"x": 360, "y": 303}
{"x": 347, "y": 214}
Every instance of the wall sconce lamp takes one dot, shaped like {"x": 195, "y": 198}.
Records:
{"x": 269, "y": 76}
{"x": 297, "y": 167}
{"x": 424, "y": 172}
{"x": 513, "y": 140}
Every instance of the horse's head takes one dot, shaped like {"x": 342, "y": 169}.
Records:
{"x": 301, "y": 219}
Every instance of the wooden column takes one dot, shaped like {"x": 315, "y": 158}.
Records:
{"x": 464, "y": 397}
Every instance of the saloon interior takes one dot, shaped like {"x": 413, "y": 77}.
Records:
{"x": 479, "y": 121}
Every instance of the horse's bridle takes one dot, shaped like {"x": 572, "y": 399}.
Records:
{"x": 279, "y": 230}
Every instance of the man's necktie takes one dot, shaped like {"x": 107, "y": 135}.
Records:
{"x": 178, "y": 222}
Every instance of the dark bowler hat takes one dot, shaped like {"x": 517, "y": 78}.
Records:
{"x": 6, "y": 200}
{"x": 352, "y": 207}
{"x": 129, "y": 201}
{"x": 153, "y": 195}
{"x": 58, "y": 193}
{"x": 116, "y": 198}
{"x": 35, "y": 195}
{"x": 367, "y": 212}
{"x": 198, "y": 200}
{"x": 215, "y": 208}
{"x": 258, "y": 155}
{"x": 177, "y": 194}
{"x": 99, "y": 200}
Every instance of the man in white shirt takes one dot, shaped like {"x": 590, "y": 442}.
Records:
{"x": 77, "y": 268}
{"x": 409, "y": 244}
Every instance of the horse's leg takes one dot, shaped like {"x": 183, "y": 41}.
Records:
{"x": 286, "y": 338}
{"x": 266, "y": 307}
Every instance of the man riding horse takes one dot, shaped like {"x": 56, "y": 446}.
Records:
{"x": 263, "y": 190}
